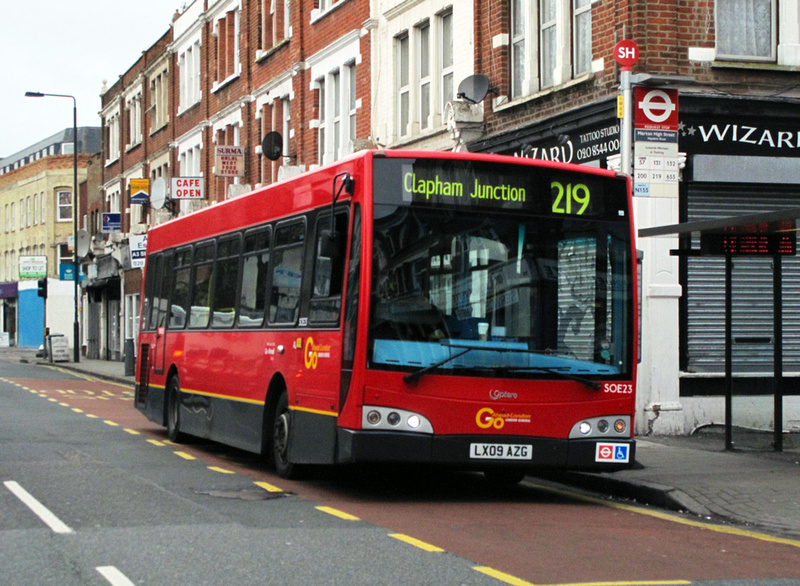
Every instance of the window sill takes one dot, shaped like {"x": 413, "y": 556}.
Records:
{"x": 182, "y": 111}
{"x": 156, "y": 129}
{"x": 754, "y": 66}
{"x": 318, "y": 14}
{"x": 225, "y": 82}
{"x": 264, "y": 54}
{"x": 498, "y": 105}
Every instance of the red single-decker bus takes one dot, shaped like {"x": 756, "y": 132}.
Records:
{"x": 459, "y": 309}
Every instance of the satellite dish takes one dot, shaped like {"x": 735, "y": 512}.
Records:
{"x": 473, "y": 88}
{"x": 84, "y": 241}
{"x": 158, "y": 195}
{"x": 272, "y": 146}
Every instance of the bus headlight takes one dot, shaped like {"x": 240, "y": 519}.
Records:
{"x": 601, "y": 427}
{"x": 394, "y": 420}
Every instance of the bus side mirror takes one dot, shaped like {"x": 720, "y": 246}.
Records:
{"x": 329, "y": 244}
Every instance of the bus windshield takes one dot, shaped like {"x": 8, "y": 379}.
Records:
{"x": 480, "y": 292}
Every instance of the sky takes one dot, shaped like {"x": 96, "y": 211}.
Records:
{"x": 68, "y": 47}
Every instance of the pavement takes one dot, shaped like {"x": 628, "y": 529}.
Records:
{"x": 756, "y": 489}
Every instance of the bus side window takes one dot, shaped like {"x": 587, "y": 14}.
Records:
{"x": 255, "y": 271}
{"x": 153, "y": 280}
{"x": 287, "y": 273}
{"x": 226, "y": 281}
{"x": 181, "y": 286}
{"x": 326, "y": 294}
{"x": 200, "y": 310}
{"x": 158, "y": 308}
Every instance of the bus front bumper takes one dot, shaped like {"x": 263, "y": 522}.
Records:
{"x": 480, "y": 451}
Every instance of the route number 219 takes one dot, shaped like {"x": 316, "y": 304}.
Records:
{"x": 570, "y": 199}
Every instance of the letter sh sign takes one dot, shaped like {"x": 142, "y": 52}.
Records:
{"x": 626, "y": 54}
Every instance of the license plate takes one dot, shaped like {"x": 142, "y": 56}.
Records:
{"x": 500, "y": 451}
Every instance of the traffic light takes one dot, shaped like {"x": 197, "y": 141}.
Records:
{"x": 42, "y": 288}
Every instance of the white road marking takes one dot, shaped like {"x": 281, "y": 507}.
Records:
{"x": 38, "y": 508}
{"x": 114, "y": 576}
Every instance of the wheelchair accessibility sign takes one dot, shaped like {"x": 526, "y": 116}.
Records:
{"x": 618, "y": 453}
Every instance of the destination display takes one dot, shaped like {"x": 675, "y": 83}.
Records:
{"x": 499, "y": 186}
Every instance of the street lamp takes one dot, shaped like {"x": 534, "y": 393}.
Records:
{"x": 75, "y": 326}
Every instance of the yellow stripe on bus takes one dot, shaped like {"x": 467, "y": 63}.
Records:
{"x": 315, "y": 411}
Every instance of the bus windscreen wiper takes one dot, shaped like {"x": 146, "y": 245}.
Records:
{"x": 592, "y": 384}
{"x": 416, "y": 375}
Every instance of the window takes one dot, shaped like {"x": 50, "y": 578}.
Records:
{"x": 551, "y": 43}
{"x": 403, "y": 80}
{"x": 424, "y": 68}
{"x": 336, "y": 106}
{"x": 159, "y": 100}
{"x": 155, "y": 308}
{"x": 326, "y": 293}
{"x": 321, "y": 138}
{"x": 255, "y": 271}
{"x": 42, "y": 207}
{"x": 227, "y": 33}
{"x": 199, "y": 312}
{"x": 745, "y": 29}
{"x": 337, "y": 113}
{"x": 133, "y": 109}
{"x": 181, "y": 287}
{"x": 112, "y": 136}
{"x": 65, "y": 255}
{"x": 189, "y": 76}
{"x": 446, "y": 49}
{"x": 352, "y": 102}
{"x": 226, "y": 279}
{"x": 64, "y": 199}
{"x": 275, "y": 23}
{"x": 21, "y": 214}
{"x": 287, "y": 273}
{"x": 28, "y": 212}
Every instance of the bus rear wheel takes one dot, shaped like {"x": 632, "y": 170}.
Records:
{"x": 281, "y": 427}
{"x": 174, "y": 411}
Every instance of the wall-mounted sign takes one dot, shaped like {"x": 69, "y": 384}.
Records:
{"x": 32, "y": 267}
{"x": 138, "y": 248}
{"x": 112, "y": 222}
{"x": 140, "y": 190}
{"x": 186, "y": 188}
{"x": 229, "y": 161}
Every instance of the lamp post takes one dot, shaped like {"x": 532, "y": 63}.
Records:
{"x": 75, "y": 326}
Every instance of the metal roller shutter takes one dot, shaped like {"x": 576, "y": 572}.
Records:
{"x": 752, "y": 288}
